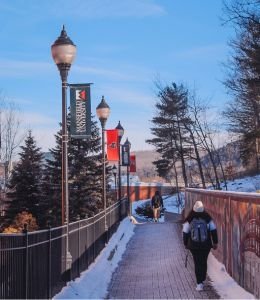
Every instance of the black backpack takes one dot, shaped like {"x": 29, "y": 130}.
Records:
{"x": 198, "y": 230}
{"x": 157, "y": 201}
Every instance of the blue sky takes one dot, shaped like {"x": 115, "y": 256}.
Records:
{"x": 122, "y": 47}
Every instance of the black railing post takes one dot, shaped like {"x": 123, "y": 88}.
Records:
{"x": 25, "y": 262}
{"x": 109, "y": 230}
{"x": 119, "y": 212}
{"x": 86, "y": 218}
{"x": 78, "y": 218}
{"x": 49, "y": 262}
{"x": 119, "y": 181}
{"x": 94, "y": 238}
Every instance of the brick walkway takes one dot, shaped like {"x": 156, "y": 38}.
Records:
{"x": 153, "y": 266}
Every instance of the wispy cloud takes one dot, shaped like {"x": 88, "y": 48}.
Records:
{"x": 129, "y": 96}
{"x": 120, "y": 71}
{"x": 21, "y": 101}
{"x": 201, "y": 52}
{"x": 20, "y": 68}
{"x": 32, "y": 119}
{"x": 109, "y": 8}
{"x": 85, "y": 8}
{"x": 108, "y": 73}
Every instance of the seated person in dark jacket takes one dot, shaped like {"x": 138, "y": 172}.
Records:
{"x": 199, "y": 236}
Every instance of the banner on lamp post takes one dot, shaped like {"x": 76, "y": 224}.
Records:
{"x": 80, "y": 110}
{"x": 132, "y": 163}
{"x": 125, "y": 155}
{"x": 112, "y": 144}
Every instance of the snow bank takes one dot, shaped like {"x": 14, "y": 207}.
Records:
{"x": 93, "y": 283}
{"x": 224, "y": 284}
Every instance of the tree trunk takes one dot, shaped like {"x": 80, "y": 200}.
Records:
{"x": 221, "y": 166}
{"x": 202, "y": 137}
{"x": 198, "y": 159}
{"x": 182, "y": 156}
{"x": 177, "y": 184}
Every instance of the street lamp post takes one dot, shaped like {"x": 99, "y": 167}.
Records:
{"x": 103, "y": 111}
{"x": 63, "y": 52}
{"x": 127, "y": 145}
{"x": 120, "y": 131}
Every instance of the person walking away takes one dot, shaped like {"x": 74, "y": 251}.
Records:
{"x": 157, "y": 203}
{"x": 199, "y": 236}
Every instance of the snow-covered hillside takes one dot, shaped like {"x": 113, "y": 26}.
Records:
{"x": 247, "y": 184}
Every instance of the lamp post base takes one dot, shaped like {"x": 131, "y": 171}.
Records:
{"x": 67, "y": 261}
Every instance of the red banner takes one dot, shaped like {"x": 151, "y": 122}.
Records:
{"x": 112, "y": 144}
{"x": 132, "y": 163}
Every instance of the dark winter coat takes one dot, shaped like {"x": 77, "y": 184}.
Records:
{"x": 154, "y": 201}
{"x": 212, "y": 231}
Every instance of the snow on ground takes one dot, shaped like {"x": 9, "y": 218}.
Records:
{"x": 138, "y": 203}
{"x": 170, "y": 203}
{"x": 93, "y": 282}
{"x": 225, "y": 285}
{"x": 134, "y": 180}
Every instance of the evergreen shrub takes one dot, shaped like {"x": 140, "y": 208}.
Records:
{"x": 145, "y": 210}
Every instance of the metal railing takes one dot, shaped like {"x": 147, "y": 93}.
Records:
{"x": 32, "y": 264}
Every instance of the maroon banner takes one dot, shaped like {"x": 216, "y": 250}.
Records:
{"x": 112, "y": 144}
{"x": 132, "y": 163}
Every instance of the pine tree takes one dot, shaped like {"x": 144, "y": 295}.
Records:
{"x": 85, "y": 170}
{"x": 170, "y": 134}
{"x": 25, "y": 183}
{"x": 243, "y": 78}
{"x": 51, "y": 186}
